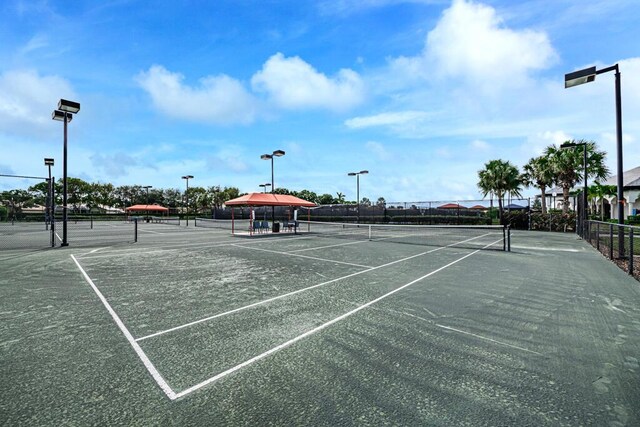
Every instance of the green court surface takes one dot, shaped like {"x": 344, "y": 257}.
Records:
{"x": 193, "y": 326}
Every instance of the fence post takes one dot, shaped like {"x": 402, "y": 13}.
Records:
{"x": 610, "y": 241}
{"x": 598, "y": 237}
{"x": 631, "y": 251}
{"x": 135, "y": 230}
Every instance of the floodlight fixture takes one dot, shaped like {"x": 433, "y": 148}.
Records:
{"x": 68, "y": 106}
{"x": 579, "y": 77}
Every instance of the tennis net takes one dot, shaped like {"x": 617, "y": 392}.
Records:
{"x": 491, "y": 237}
{"x": 222, "y": 224}
{"x": 171, "y": 220}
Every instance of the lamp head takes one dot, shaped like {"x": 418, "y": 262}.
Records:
{"x": 48, "y": 161}
{"x": 266, "y": 156}
{"x": 59, "y": 115}
{"x": 68, "y": 106}
{"x": 352, "y": 174}
{"x": 579, "y": 77}
{"x": 278, "y": 153}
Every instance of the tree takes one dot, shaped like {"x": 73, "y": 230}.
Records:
{"x": 381, "y": 202}
{"x": 499, "y": 177}
{"x": 365, "y": 202}
{"x": 326, "y": 199}
{"x": 539, "y": 173}
{"x": 568, "y": 166}
{"x": 341, "y": 198}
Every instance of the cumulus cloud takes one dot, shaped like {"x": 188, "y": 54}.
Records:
{"x": 470, "y": 41}
{"x": 217, "y": 99}
{"x": 292, "y": 83}
{"x": 27, "y": 100}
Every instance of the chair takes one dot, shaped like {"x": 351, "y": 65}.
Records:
{"x": 285, "y": 225}
{"x": 257, "y": 226}
{"x": 265, "y": 226}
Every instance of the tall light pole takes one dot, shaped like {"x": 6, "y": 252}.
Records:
{"x": 147, "y": 187}
{"x": 264, "y": 187}
{"x": 66, "y": 110}
{"x": 588, "y": 75}
{"x": 276, "y": 153}
{"x": 357, "y": 175}
{"x": 583, "y": 214}
{"x": 187, "y": 178}
{"x": 49, "y": 162}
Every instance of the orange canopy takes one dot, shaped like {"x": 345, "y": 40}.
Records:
{"x": 268, "y": 199}
{"x": 144, "y": 208}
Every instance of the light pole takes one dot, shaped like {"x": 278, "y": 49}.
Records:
{"x": 147, "y": 187}
{"x": 49, "y": 162}
{"x": 187, "y": 178}
{"x": 584, "y": 192}
{"x": 276, "y": 153}
{"x": 588, "y": 75}
{"x": 264, "y": 187}
{"x": 66, "y": 110}
{"x": 357, "y": 175}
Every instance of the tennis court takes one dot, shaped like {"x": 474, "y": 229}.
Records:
{"x": 195, "y": 326}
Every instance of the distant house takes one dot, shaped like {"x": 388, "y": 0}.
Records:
{"x": 452, "y": 206}
{"x": 479, "y": 208}
{"x": 630, "y": 192}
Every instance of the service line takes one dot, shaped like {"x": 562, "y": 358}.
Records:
{"x": 320, "y": 328}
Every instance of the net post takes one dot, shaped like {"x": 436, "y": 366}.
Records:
{"x": 631, "y": 251}
{"x": 598, "y": 237}
{"x": 135, "y": 230}
{"x": 504, "y": 238}
{"x": 91, "y": 218}
{"x": 508, "y": 238}
{"x": 195, "y": 221}
{"x": 369, "y": 231}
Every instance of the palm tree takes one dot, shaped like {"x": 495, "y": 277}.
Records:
{"x": 568, "y": 166}
{"x": 597, "y": 191}
{"x": 538, "y": 173}
{"x": 499, "y": 177}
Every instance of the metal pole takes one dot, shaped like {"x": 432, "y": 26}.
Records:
{"x": 187, "y": 196}
{"x": 358, "y": 196}
{"x": 584, "y": 196}
{"x": 53, "y": 214}
{"x": 64, "y": 185}
{"x": 273, "y": 208}
{"x": 620, "y": 166}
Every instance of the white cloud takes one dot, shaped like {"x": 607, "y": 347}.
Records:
{"x": 292, "y": 83}
{"x": 27, "y": 100}
{"x": 471, "y": 42}
{"x": 218, "y": 99}
{"x": 387, "y": 119}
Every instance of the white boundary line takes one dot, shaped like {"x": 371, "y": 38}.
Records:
{"x": 141, "y": 354}
{"x": 307, "y": 256}
{"x": 319, "y": 328}
{"x": 449, "y": 328}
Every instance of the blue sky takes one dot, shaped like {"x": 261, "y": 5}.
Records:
{"x": 420, "y": 93}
